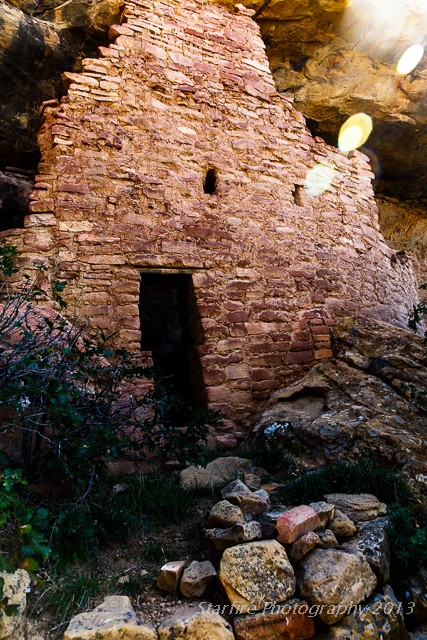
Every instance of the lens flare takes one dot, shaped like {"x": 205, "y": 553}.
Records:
{"x": 410, "y": 59}
{"x": 319, "y": 179}
{"x": 355, "y": 132}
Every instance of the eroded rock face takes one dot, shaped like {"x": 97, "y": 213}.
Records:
{"x": 356, "y": 403}
{"x": 337, "y": 58}
{"x": 38, "y": 41}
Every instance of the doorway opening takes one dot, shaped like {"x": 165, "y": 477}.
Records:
{"x": 164, "y": 311}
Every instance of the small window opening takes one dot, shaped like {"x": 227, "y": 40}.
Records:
{"x": 210, "y": 182}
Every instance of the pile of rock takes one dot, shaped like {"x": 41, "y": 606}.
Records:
{"x": 298, "y": 573}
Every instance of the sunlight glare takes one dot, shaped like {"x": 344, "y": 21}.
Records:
{"x": 319, "y": 179}
{"x": 355, "y": 132}
{"x": 410, "y": 59}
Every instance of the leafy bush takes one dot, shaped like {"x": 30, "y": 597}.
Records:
{"x": 23, "y": 542}
{"x": 68, "y": 404}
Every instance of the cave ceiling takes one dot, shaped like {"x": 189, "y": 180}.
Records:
{"x": 335, "y": 57}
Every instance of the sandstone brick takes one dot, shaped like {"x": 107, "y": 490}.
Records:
{"x": 322, "y": 354}
{"x": 298, "y": 357}
{"x": 237, "y": 371}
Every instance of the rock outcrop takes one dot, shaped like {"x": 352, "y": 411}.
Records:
{"x": 337, "y": 58}
{"x": 332, "y": 56}
{"x": 39, "y": 40}
{"x": 361, "y": 402}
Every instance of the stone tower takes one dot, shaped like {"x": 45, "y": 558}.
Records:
{"x": 171, "y": 198}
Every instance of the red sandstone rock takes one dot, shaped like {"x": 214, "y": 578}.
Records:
{"x": 294, "y": 523}
{"x": 292, "y": 621}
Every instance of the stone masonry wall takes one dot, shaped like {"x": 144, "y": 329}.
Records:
{"x": 186, "y": 87}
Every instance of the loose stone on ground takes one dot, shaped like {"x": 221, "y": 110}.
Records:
{"x": 196, "y": 578}
{"x": 330, "y": 577}
{"x": 170, "y": 575}
{"x": 256, "y": 573}
{"x": 195, "y": 623}
{"x": 114, "y": 618}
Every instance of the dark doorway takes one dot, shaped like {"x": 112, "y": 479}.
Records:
{"x": 165, "y": 331}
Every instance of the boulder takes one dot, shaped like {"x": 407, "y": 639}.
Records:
{"x": 420, "y": 633}
{"x": 239, "y": 533}
{"x": 302, "y": 546}
{"x": 197, "y": 622}
{"x": 288, "y": 621}
{"x": 325, "y": 512}
{"x": 372, "y": 541}
{"x": 16, "y": 586}
{"x": 380, "y": 618}
{"x": 251, "y": 504}
{"x": 114, "y": 618}
{"x": 355, "y": 404}
{"x": 296, "y": 522}
{"x": 341, "y": 525}
{"x": 169, "y": 576}
{"x": 224, "y": 515}
{"x": 414, "y": 597}
{"x": 256, "y": 573}
{"x": 215, "y": 473}
{"x": 264, "y": 495}
{"x": 196, "y": 578}
{"x": 237, "y": 486}
{"x": 331, "y": 578}
{"x": 327, "y": 539}
{"x": 252, "y": 481}
{"x": 359, "y": 507}
{"x": 268, "y": 523}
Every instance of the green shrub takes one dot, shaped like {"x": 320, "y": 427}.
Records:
{"x": 75, "y": 404}
{"x": 20, "y": 536}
